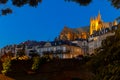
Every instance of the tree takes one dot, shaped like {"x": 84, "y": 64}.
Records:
{"x": 18, "y": 3}
{"x": 34, "y": 3}
{"x": 115, "y": 3}
{"x": 81, "y": 2}
{"x": 6, "y": 66}
{"x": 36, "y": 63}
{"x": 105, "y": 64}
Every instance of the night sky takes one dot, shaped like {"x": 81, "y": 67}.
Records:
{"x": 47, "y": 20}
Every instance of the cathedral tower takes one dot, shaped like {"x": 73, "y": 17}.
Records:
{"x": 97, "y": 24}
{"x": 94, "y": 24}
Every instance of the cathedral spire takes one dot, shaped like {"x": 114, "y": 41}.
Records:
{"x": 99, "y": 16}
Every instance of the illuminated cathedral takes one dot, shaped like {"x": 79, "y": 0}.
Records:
{"x": 72, "y": 34}
{"x": 96, "y": 24}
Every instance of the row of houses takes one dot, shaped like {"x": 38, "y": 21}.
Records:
{"x": 62, "y": 48}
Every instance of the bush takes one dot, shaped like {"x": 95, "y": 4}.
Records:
{"x": 6, "y": 66}
{"x": 45, "y": 59}
{"x": 36, "y": 63}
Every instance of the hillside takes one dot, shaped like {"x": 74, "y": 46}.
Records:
{"x": 69, "y": 69}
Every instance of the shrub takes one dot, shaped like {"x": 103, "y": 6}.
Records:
{"x": 6, "y": 66}
{"x": 36, "y": 63}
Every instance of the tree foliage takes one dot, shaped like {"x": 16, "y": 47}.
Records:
{"x": 6, "y": 66}
{"x": 34, "y": 3}
{"x": 81, "y": 2}
{"x": 115, "y": 3}
{"x": 106, "y": 63}
{"x": 37, "y": 61}
{"x": 18, "y": 3}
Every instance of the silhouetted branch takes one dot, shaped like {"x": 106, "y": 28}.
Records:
{"x": 81, "y": 2}
{"x": 6, "y": 11}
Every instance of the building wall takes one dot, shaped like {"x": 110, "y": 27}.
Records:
{"x": 96, "y": 42}
{"x": 83, "y": 44}
{"x": 67, "y": 51}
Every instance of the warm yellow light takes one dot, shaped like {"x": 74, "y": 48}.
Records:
{"x": 96, "y": 24}
{"x": 95, "y": 38}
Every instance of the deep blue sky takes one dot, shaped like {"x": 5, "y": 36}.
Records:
{"x": 47, "y": 20}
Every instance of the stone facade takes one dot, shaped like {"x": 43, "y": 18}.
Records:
{"x": 72, "y": 34}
